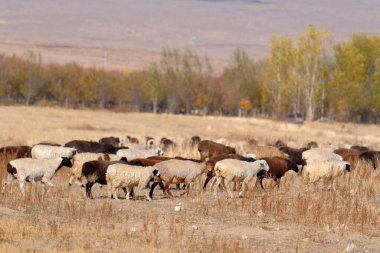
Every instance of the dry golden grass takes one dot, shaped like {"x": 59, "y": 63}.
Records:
{"x": 289, "y": 219}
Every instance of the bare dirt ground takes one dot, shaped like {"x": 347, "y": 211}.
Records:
{"x": 293, "y": 218}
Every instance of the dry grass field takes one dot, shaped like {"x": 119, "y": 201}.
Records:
{"x": 288, "y": 219}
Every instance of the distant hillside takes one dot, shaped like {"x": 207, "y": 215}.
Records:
{"x": 134, "y": 32}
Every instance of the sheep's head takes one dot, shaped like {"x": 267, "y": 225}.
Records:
{"x": 156, "y": 176}
{"x": 264, "y": 165}
{"x": 160, "y": 152}
{"x": 347, "y": 168}
{"x": 65, "y": 162}
{"x": 294, "y": 167}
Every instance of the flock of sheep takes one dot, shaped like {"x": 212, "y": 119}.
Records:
{"x": 144, "y": 166}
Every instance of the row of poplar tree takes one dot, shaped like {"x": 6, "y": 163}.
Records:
{"x": 309, "y": 75}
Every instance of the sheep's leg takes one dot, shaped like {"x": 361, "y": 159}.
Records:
{"x": 71, "y": 180}
{"x": 88, "y": 190}
{"x": 243, "y": 189}
{"x": 147, "y": 194}
{"x": 43, "y": 185}
{"x": 213, "y": 181}
{"x": 109, "y": 190}
{"x": 7, "y": 182}
{"x": 277, "y": 180}
{"x": 127, "y": 196}
{"x": 208, "y": 178}
{"x": 166, "y": 189}
{"x": 218, "y": 181}
{"x": 229, "y": 190}
{"x": 152, "y": 189}
{"x": 114, "y": 193}
{"x": 22, "y": 186}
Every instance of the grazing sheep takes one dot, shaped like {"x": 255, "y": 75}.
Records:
{"x": 29, "y": 169}
{"x": 52, "y": 152}
{"x": 232, "y": 170}
{"x": 349, "y": 155}
{"x": 95, "y": 172}
{"x": 91, "y": 146}
{"x": 81, "y": 158}
{"x": 279, "y": 144}
{"x": 266, "y": 151}
{"x": 319, "y": 154}
{"x": 371, "y": 157}
{"x": 115, "y": 141}
{"x": 312, "y": 144}
{"x": 277, "y": 168}
{"x": 359, "y": 148}
{"x": 210, "y": 164}
{"x": 295, "y": 154}
{"x": 167, "y": 144}
{"x": 175, "y": 171}
{"x": 131, "y": 154}
{"x": 208, "y": 149}
{"x": 150, "y": 143}
{"x": 129, "y": 176}
{"x": 315, "y": 171}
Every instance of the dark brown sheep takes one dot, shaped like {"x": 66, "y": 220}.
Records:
{"x": 372, "y": 157}
{"x": 277, "y": 168}
{"x": 10, "y": 153}
{"x": 208, "y": 149}
{"x": 91, "y": 146}
{"x": 295, "y": 154}
{"x": 360, "y": 148}
{"x": 210, "y": 164}
{"x": 95, "y": 172}
{"x": 114, "y": 141}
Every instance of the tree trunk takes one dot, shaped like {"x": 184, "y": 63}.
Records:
{"x": 155, "y": 103}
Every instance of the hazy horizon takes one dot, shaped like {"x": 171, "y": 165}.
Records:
{"x": 143, "y": 28}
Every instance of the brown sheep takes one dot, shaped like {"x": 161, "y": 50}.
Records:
{"x": 372, "y": 157}
{"x": 208, "y": 149}
{"x": 266, "y": 151}
{"x": 277, "y": 168}
{"x": 295, "y": 154}
{"x": 91, "y": 146}
{"x": 349, "y": 155}
{"x": 115, "y": 141}
{"x": 10, "y": 153}
{"x": 210, "y": 164}
{"x": 359, "y": 148}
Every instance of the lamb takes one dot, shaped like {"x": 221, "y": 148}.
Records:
{"x": 315, "y": 171}
{"x": 52, "y": 152}
{"x": 29, "y": 169}
{"x": 278, "y": 166}
{"x": 131, "y": 154}
{"x": 81, "y": 158}
{"x": 232, "y": 170}
{"x": 208, "y": 149}
{"x": 319, "y": 154}
{"x": 175, "y": 171}
{"x": 95, "y": 172}
{"x": 124, "y": 175}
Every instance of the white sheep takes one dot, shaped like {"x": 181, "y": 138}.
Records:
{"x": 315, "y": 171}
{"x": 175, "y": 171}
{"x": 232, "y": 170}
{"x": 131, "y": 154}
{"x": 81, "y": 158}
{"x": 319, "y": 154}
{"x": 41, "y": 151}
{"x": 128, "y": 176}
{"x": 34, "y": 170}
